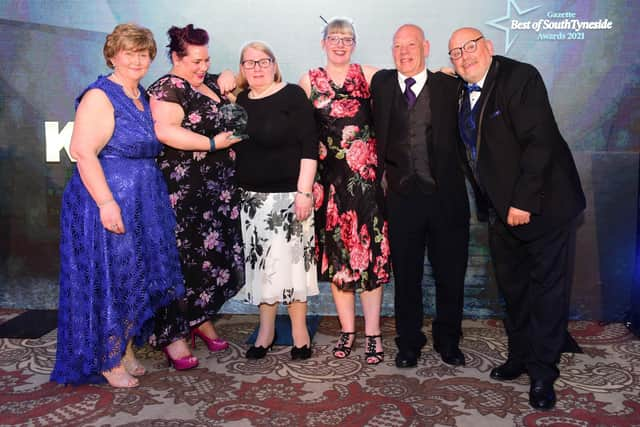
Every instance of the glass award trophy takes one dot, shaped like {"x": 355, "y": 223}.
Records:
{"x": 234, "y": 118}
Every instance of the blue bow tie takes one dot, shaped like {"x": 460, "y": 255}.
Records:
{"x": 472, "y": 87}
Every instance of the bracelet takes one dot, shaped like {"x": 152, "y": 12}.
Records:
{"x": 305, "y": 194}
{"x": 212, "y": 145}
{"x": 106, "y": 203}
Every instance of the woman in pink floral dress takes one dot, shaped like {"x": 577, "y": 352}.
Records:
{"x": 353, "y": 246}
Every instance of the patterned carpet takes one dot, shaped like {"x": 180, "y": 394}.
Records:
{"x": 598, "y": 388}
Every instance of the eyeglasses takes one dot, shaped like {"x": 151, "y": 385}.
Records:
{"x": 469, "y": 47}
{"x": 250, "y": 64}
{"x": 335, "y": 40}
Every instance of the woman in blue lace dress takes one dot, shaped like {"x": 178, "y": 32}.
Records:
{"x": 119, "y": 261}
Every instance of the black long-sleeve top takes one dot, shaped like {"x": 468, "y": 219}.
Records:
{"x": 282, "y": 131}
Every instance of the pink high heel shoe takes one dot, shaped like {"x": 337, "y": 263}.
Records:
{"x": 214, "y": 345}
{"x": 182, "y": 364}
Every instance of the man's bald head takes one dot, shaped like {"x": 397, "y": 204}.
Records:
{"x": 475, "y": 52}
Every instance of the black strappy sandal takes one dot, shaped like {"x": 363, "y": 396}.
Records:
{"x": 342, "y": 345}
{"x": 373, "y": 357}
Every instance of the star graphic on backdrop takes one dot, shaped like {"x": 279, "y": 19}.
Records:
{"x": 507, "y": 30}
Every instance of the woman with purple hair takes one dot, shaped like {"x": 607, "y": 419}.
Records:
{"x": 198, "y": 164}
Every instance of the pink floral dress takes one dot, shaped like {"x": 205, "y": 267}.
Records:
{"x": 352, "y": 236}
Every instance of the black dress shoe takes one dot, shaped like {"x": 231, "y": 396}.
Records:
{"x": 260, "y": 352}
{"x": 300, "y": 353}
{"x": 451, "y": 356}
{"x": 407, "y": 359}
{"x": 510, "y": 370}
{"x": 257, "y": 352}
{"x": 542, "y": 395}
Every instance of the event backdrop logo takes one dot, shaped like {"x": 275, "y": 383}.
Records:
{"x": 555, "y": 25}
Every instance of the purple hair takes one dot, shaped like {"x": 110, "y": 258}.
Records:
{"x": 181, "y": 38}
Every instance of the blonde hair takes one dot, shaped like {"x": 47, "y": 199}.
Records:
{"x": 128, "y": 36}
{"x": 341, "y": 25}
{"x": 264, "y": 48}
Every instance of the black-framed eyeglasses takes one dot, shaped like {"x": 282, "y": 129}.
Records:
{"x": 469, "y": 47}
{"x": 250, "y": 64}
{"x": 336, "y": 40}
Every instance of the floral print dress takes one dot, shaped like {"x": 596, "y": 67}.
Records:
{"x": 206, "y": 201}
{"x": 280, "y": 264}
{"x": 352, "y": 235}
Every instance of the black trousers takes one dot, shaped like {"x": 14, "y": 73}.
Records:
{"x": 534, "y": 278}
{"x": 416, "y": 223}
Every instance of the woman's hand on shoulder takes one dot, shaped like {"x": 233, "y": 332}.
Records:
{"x": 227, "y": 81}
{"x": 448, "y": 71}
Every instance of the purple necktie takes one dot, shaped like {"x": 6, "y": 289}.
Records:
{"x": 408, "y": 93}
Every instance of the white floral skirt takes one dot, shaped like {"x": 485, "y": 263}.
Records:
{"x": 279, "y": 250}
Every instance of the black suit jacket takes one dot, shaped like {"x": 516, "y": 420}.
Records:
{"x": 443, "y": 157}
{"x": 523, "y": 161}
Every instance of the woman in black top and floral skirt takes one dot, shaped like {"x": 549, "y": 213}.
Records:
{"x": 276, "y": 168}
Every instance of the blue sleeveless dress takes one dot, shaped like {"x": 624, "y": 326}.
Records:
{"x": 112, "y": 284}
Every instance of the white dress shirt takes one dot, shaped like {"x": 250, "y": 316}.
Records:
{"x": 420, "y": 78}
{"x": 475, "y": 95}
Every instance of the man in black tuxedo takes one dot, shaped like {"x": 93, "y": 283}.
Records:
{"x": 427, "y": 206}
{"x": 527, "y": 185}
